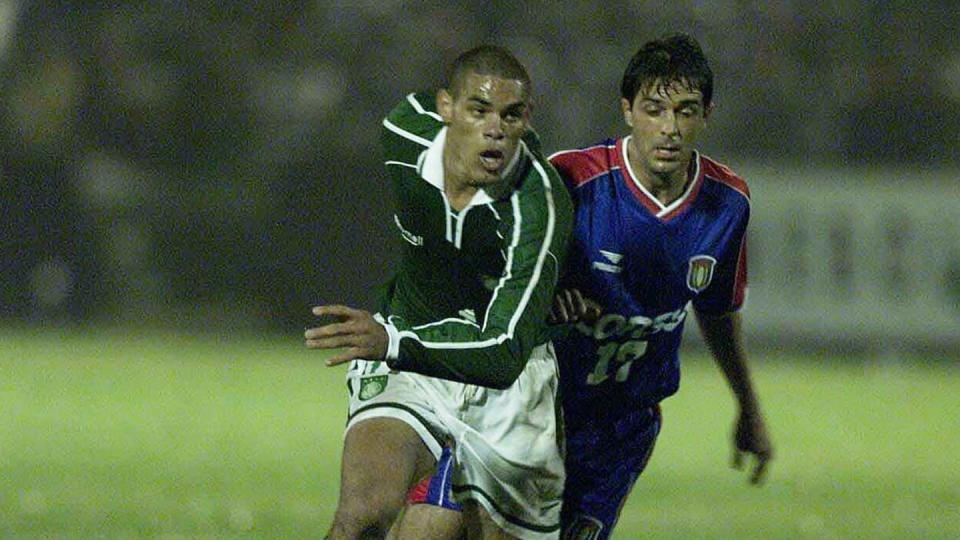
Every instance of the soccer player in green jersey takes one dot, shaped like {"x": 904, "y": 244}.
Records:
{"x": 459, "y": 355}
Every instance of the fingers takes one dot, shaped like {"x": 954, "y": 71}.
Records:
{"x": 559, "y": 314}
{"x": 592, "y": 312}
{"x": 737, "y": 462}
{"x": 336, "y": 311}
{"x": 329, "y": 330}
{"x": 759, "y": 471}
{"x": 347, "y": 333}
{"x": 333, "y": 342}
{"x": 353, "y": 348}
{"x": 353, "y": 353}
{"x": 357, "y": 334}
{"x": 576, "y": 299}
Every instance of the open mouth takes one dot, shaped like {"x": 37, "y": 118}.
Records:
{"x": 492, "y": 160}
{"x": 668, "y": 151}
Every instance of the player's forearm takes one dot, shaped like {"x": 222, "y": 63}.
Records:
{"x": 457, "y": 350}
{"x": 494, "y": 366}
{"x": 725, "y": 341}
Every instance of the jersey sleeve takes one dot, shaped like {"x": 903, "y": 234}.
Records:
{"x": 493, "y": 354}
{"x": 410, "y": 128}
{"x": 727, "y": 289}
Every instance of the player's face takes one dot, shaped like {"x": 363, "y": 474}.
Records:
{"x": 665, "y": 122}
{"x": 485, "y": 121}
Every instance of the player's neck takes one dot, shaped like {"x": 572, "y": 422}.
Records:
{"x": 456, "y": 184}
{"x": 666, "y": 188}
{"x": 459, "y": 193}
{"x": 460, "y": 188}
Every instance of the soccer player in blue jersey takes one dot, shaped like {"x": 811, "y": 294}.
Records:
{"x": 657, "y": 226}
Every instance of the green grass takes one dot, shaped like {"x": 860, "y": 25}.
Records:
{"x": 126, "y": 435}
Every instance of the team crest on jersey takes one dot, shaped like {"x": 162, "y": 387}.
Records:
{"x": 411, "y": 238}
{"x": 584, "y": 528}
{"x": 700, "y": 272}
{"x": 371, "y": 387}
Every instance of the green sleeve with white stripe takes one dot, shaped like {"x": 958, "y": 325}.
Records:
{"x": 515, "y": 321}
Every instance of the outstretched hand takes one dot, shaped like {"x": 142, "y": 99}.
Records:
{"x": 355, "y": 331}
{"x": 750, "y": 438}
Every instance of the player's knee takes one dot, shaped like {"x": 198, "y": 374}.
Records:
{"x": 367, "y": 513}
{"x": 358, "y": 526}
{"x": 348, "y": 530}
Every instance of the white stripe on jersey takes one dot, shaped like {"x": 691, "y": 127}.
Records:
{"x": 544, "y": 249}
{"x": 404, "y": 133}
{"x": 402, "y": 164}
{"x": 419, "y": 108}
{"x": 452, "y": 319}
{"x": 561, "y": 152}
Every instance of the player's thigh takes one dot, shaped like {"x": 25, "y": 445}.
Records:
{"x": 392, "y": 437}
{"x": 603, "y": 464}
{"x": 383, "y": 455}
{"x": 479, "y": 524}
{"x": 428, "y": 522}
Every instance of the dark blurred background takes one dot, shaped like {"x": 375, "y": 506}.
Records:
{"x": 207, "y": 164}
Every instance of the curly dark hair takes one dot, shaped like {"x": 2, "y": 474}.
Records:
{"x": 671, "y": 60}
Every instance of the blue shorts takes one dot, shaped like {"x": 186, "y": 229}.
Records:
{"x": 436, "y": 489}
{"x": 603, "y": 462}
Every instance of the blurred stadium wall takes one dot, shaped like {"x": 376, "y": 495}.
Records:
{"x": 202, "y": 164}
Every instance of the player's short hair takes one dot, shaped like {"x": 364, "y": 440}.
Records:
{"x": 486, "y": 60}
{"x": 676, "y": 59}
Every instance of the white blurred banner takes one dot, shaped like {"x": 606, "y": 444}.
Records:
{"x": 864, "y": 257}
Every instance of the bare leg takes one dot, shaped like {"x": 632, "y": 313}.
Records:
{"x": 426, "y": 521}
{"x": 480, "y": 525}
{"x": 382, "y": 458}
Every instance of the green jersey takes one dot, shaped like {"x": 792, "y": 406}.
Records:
{"x": 471, "y": 296}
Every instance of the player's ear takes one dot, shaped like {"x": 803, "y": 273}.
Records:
{"x": 709, "y": 110}
{"x": 627, "y": 109}
{"x": 445, "y": 105}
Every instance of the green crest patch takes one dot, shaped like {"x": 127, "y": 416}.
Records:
{"x": 372, "y": 386}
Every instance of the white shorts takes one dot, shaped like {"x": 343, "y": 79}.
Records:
{"x": 507, "y": 444}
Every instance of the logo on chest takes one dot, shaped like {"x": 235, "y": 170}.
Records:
{"x": 700, "y": 272}
{"x": 612, "y": 265}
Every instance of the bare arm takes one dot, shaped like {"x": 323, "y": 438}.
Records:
{"x": 724, "y": 338}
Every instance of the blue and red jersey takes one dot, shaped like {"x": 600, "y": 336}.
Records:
{"x": 644, "y": 262}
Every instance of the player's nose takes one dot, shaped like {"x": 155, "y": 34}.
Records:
{"x": 670, "y": 124}
{"x": 493, "y": 128}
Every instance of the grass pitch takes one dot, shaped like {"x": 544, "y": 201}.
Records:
{"x": 125, "y": 434}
